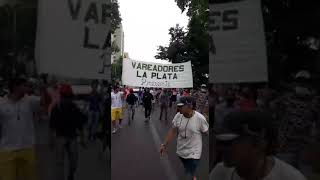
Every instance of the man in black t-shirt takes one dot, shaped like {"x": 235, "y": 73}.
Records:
{"x": 66, "y": 124}
{"x": 147, "y": 102}
{"x": 131, "y": 100}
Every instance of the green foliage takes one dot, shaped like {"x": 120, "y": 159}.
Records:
{"x": 191, "y": 44}
{"x": 288, "y": 23}
{"x": 115, "y": 16}
{"x": 116, "y": 69}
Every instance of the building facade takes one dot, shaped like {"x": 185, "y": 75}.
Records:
{"x": 117, "y": 40}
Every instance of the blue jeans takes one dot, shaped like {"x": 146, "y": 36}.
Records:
{"x": 190, "y": 166}
{"x": 94, "y": 117}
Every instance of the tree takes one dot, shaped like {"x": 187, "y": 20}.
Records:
{"x": 116, "y": 69}
{"x": 176, "y": 50}
{"x": 289, "y": 24}
{"x": 191, "y": 44}
{"x": 115, "y": 16}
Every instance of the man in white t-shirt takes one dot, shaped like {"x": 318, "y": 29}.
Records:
{"x": 17, "y": 136}
{"x": 116, "y": 108}
{"x": 188, "y": 125}
{"x": 247, "y": 143}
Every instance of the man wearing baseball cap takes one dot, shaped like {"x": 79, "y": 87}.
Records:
{"x": 188, "y": 126}
{"x": 247, "y": 142}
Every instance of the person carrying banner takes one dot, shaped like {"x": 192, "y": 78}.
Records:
{"x": 188, "y": 125}
{"x": 147, "y": 102}
{"x": 116, "y": 108}
{"x": 131, "y": 101}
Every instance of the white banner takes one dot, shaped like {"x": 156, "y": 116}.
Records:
{"x": 146, "y": 74}
{"x": 238, "y": 50}
{"x": 74, "y": 39}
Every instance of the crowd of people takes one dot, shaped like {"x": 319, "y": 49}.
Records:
{"x": 190, "y": 121}
{"x": 55, "y": 104}
{"x": 125, "y": 99}
{"x": 258, "y": 131}
{"x": 284, "y": 121}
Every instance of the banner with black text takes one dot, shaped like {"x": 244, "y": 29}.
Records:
{"x": 146, "y": 74}
{"x": 237, "y": 42}
{"x": 74, "y": 38}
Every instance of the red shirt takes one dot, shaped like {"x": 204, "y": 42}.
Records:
{"x": 186, "y": 94}
{"x": 247, "y": 105}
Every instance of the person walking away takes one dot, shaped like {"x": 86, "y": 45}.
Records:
{"x": 116, "y": 109}
{"x": 164, "y": 103}
{"x": 66, "y": 124}
{"x": 188, "y": 125}
{"x": 173, "y": 98}
{"x": 17, "y": 133}
{"x": 131, "y": 101}
{"x": 248, "y": 142}
{"x": 147, "y": 102}
{"x": 94, "y": 111}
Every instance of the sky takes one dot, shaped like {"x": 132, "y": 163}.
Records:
{"x": 146, "y": 25}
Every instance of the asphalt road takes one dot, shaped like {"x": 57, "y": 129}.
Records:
{"x": 135, "y": 151}
{"x": 93, "y": 163}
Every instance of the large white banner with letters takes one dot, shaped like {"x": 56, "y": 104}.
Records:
{"x": 237, "y": 44}
{"x": 146, "y": 74}
{"x": 73, "y": 38}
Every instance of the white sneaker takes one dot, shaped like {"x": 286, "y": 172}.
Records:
{"x": 114, "y": 131}
{"x": 120, "y": 127}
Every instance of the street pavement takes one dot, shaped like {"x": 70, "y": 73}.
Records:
{"x": 135, "y": 151}
{"x": 93, "y": 163}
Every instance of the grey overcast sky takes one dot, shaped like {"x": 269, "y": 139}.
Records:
{"x": 146, "y": 24}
